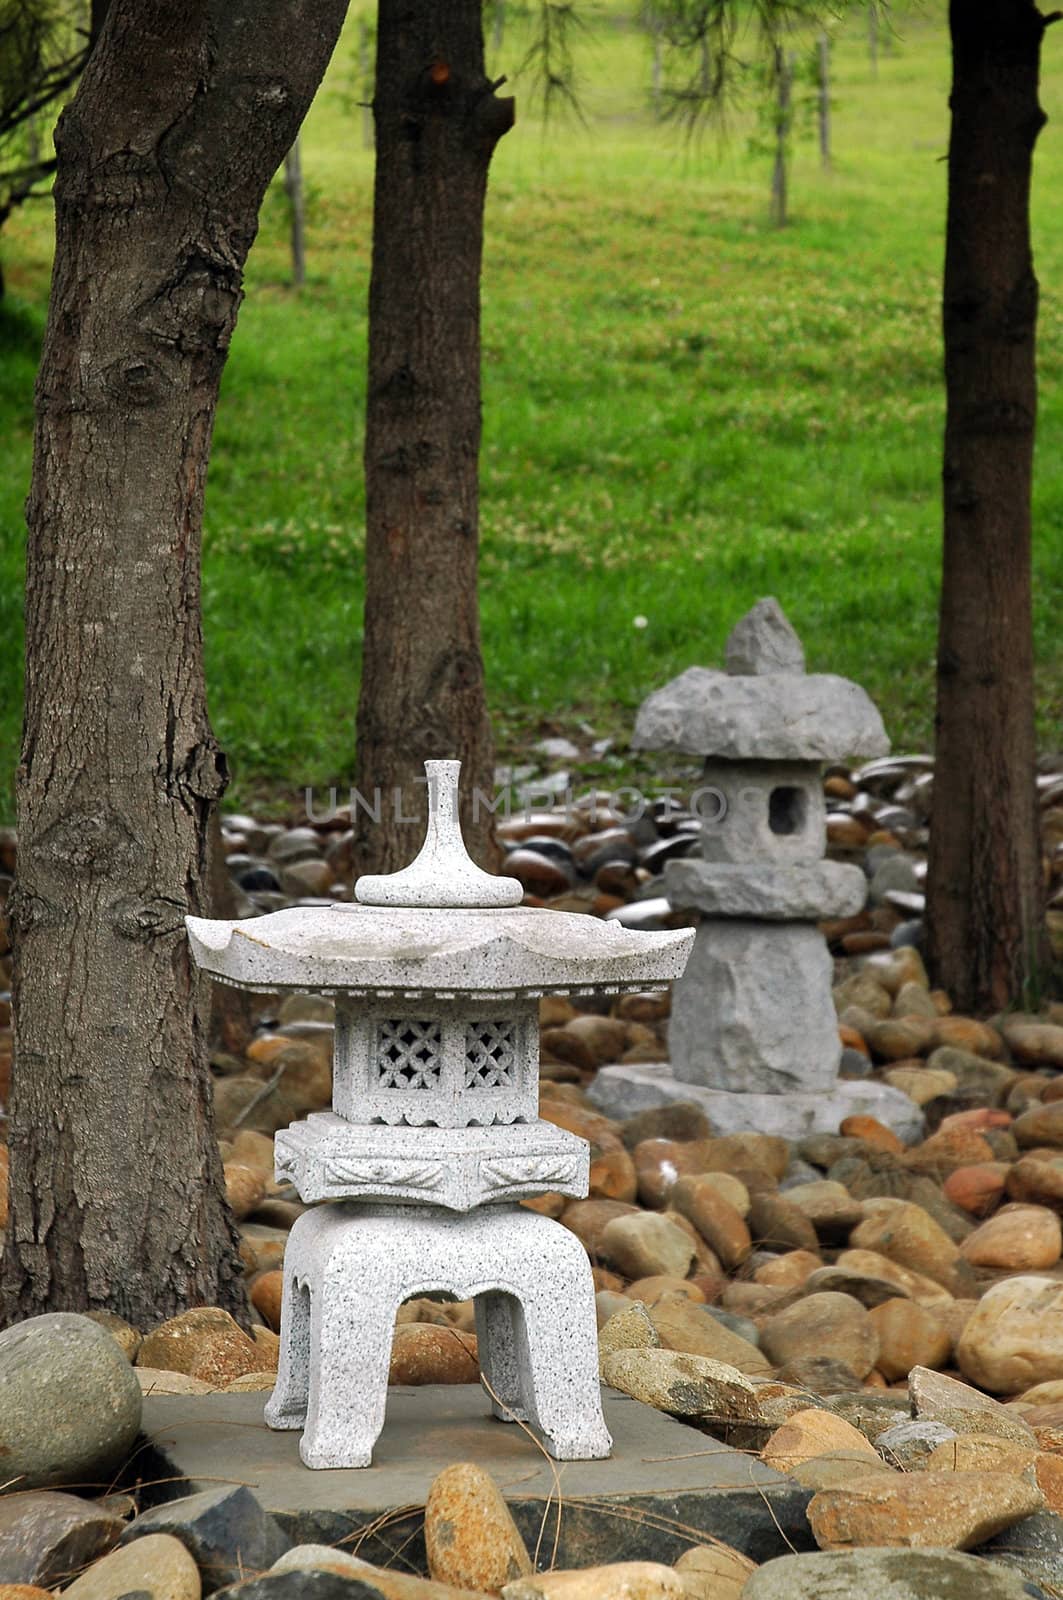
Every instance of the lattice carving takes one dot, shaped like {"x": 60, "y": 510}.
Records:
{"x": 490, "y": 1055}
{"x": 409, "y": 1054}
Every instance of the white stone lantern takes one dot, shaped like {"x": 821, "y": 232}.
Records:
{"x": 434, "y": 1136}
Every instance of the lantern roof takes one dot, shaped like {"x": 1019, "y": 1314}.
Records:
{"x": 765, "y": 707}
{"x": 442, "y": 928}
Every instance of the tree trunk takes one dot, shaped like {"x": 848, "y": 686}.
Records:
{"x": 293, "y": 184}
{"x": 365, "y": 69}
{"x": 182, "y": 117}
{"x": 823, "y": 98}
{"x": 422, "y": 692}
{"x": 986, "y": 938}
{"x": 783, "y": 81}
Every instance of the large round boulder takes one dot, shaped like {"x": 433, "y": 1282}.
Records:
{"x": 70, "y": 1403}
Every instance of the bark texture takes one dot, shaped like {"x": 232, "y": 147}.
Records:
{"x": 182, "y": 116}
{"x": 986, "y": 939}
{"x": 422, "y": 692}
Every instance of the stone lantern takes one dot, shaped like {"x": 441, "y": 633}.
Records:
{"x": 753, "y": 1034}
{"x": 434, "y": 1137}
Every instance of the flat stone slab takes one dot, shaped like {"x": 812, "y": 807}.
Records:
{"x": 662, "y": 1488}
{"x": 622, "y": 1091}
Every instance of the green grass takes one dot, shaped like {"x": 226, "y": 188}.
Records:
{"x": 683, "y": 410}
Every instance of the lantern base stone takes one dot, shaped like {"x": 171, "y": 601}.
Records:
{"x": 621, "y": 1091}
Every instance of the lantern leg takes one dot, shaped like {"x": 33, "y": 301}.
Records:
{"x": 351, "y": 1340}
{"x": 501, "y": 1358}
{"x": 286, "y": 1407}
{"x": 562, "y": 1387}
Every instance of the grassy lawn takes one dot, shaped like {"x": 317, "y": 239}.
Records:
{"x": 684, "y": 409}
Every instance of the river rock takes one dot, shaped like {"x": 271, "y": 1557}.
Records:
{"x": 1041, "y": 1125}
{"x": 626, "y": 1580}
{"x": 793, "y": 1270}
{"x": 836, "y": 1469}
{"x": 158, "y": 1566}
{"x": 908, "y": 1336}
{"x": 869, "y": 1290}
{"x": 660, "y": 1163}
{"x": 683, "y": 1385}
{"x": 205, "y": 1343}
{"x": 430, "y": 1353}
{"x": 828, "y": 1206}
{"x": 1019, "y": 1238}
{"x": 869, "y": 1263}
{"x": 647, "y": 1243}
{"x": 316, "y": 1585}
{"x": 716, "y": 1219}
{"x": 374, "y": 1582}
{"x": 823, "y": 1375}
{"x": 1034, "y": 1548}
{"x": 1015, "y": 1337}
{"x": 921, "y": 1084}
{"x": 713, "y": 1572}
{"x": 469, "y": 1533}
{"x": 70, "y": 1403}
{"x": 884, "y": 1575}
{"x": 629, "y": 1328}
{"x": 688, "y": 1328}
{"x": 812, "y": 1433}
{"x": 44, "y": 1536}
{"x": 1035, "y": 1044}
{"x": 907, "y": 1234}
{"x": 1038, "y": 1179}
{"x": 224, "y": 1529}
{"x": 980, "y": 1452}
{"x": 979, "y": 1189}
{"x": 681, "y": 1120}
{"x": 921, "y": 1510}
{"x": 909, "y": 1445}
{"x": 834, "y": 1324}
{"x": 774, "y": 1222}
{"x": 660, "y": 1287}
{"x": 936, "y": 1397}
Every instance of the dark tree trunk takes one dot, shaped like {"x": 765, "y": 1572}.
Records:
{"x": 986, "y": 940}
{"x": 422, "y": 693}
{"x": 293, "y": 185}
{"x": 782, "y": 85}
{"x": 182, "y": 117}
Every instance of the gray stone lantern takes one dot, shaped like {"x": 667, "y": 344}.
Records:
{"x": 753, "y": 1032}
{"x": 434, "y": 1137}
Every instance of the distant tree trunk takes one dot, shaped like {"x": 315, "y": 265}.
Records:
{"x": 783, "y": 79}
{"x": 986, "y": 935}
{"x": 293, "y": 184}
{"x": 872, "y": 36}
{"x": 823, "y": 98}
{"x": 422, "y": 692}
{"x": 365, "y": 69}
{"x": 182, "y": 117}
{"x": 657, "y": 67}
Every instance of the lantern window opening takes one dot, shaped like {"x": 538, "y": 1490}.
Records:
{"x": 787, "y": 809}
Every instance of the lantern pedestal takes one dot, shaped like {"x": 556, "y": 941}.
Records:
{"x": 348, "y": 1268}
